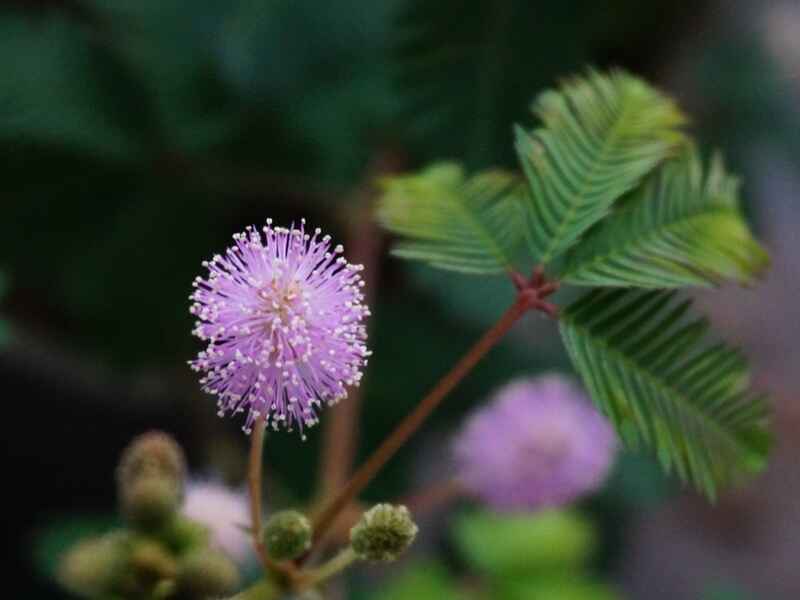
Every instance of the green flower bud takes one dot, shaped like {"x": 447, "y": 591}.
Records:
{"x": 154, "y": 454}
{"x": 149, "y": 564}
{"x": 287, "y": 535}
{"x": 166, "y": 588}
{"x": 150, "y": 502}
{"x": 383, "y": 533}
{"x": 151, "y": 559}
{"x": 183, "y": 535}
{"x": 207, "y": 574}
{"x": 92, "y": 567}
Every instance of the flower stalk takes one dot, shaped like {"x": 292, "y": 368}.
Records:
{"x": 435, "y": 496}
{"x": 341, "y": 431}
{"x": 531, "y": 295}
{"x": 337, "y": 564}
{"x": 254, "y": 485}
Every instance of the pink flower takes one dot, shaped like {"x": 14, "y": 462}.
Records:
{"x": 224, "y": 512}
{"x": 283, "y": 317}
{"x": 540, "y": 443}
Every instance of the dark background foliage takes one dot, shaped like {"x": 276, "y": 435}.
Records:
{"x": 136, "y": 137}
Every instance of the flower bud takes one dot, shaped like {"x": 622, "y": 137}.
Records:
{"x": 151, "y": 561}
{"x": 149, "y": 564}
{"x": 183, "y": 535}
{"x": 383, "y": 533}
{"x": 154, "y": 454}
{"x": 286, "y": 535}
{"x": 91, "y": 567}
{"x": 207, "y": 574}
{"x": 149, "y": 502}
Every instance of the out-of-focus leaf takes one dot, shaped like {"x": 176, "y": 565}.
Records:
{"x": 511, "y": 544}
{"x": 52, "y": 540}
{"x": 58, "y": 89}
{"x": 170, "y": 47}
{"x": 318, "y": 67}
{"x": 461, "y": 87}
{"x": 420, "y": 582}
{"x": 546, "y": 587}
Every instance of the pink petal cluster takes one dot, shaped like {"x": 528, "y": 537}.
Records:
{"x": 539, "y": 443}
{"x": 283, "y": 317}
{"x": 225, "y": 512}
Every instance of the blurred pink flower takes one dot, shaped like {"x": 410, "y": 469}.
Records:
{"x": 539, "y": 443}
{"x": 225, "y": 512}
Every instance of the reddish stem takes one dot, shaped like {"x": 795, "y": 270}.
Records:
{"x": 254, "y": 483}
{"x": 408, "y": 426}
{"x": 363, "y": 241}
{"x": 530, "y": 296}
{"x": 433, "y": 497}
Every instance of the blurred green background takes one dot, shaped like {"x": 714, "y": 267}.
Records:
{"x": 137, "y": 136}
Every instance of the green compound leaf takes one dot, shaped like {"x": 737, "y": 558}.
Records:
{"x": 682, "y": 228}
{"x": 472, "y": 225}
{"x": 601, "y": 135}
{"x": 648, "y": 369}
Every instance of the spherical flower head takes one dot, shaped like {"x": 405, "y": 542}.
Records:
{"x": 287, "y": 535}
{"x": 223, "y": 511}
{"x": 93, "y": 566}
{"x": 206, "y": 574}
{"x": 283, "y": 317}
{"x": 152, "y": 454}
{"x": 383, "y": 533}
{"x": 540, "y": 443}
{"x": 150, "y": 502}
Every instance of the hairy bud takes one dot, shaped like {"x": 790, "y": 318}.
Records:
{"x": 151, "y": 561}
{"x": 383, "y": 533}
{"x": 150, "y": 502}
{"x": 92, "y": 567}
{"x": 183, "y": 535}
{"x": 286, "y": 535}
{"x": 207, "y": 574}
{"x": 153, "y": 454}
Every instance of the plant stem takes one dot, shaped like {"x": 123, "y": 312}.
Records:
{"x": 433, "y": 497}
{"x": 408, "y": 426}
{"x": 341, "y": 431}
{"x": 363, "y": 242}
{"x": 254, "y": 482}
{"x": 327, "y": 570}
{"x": 254, "y": 472}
